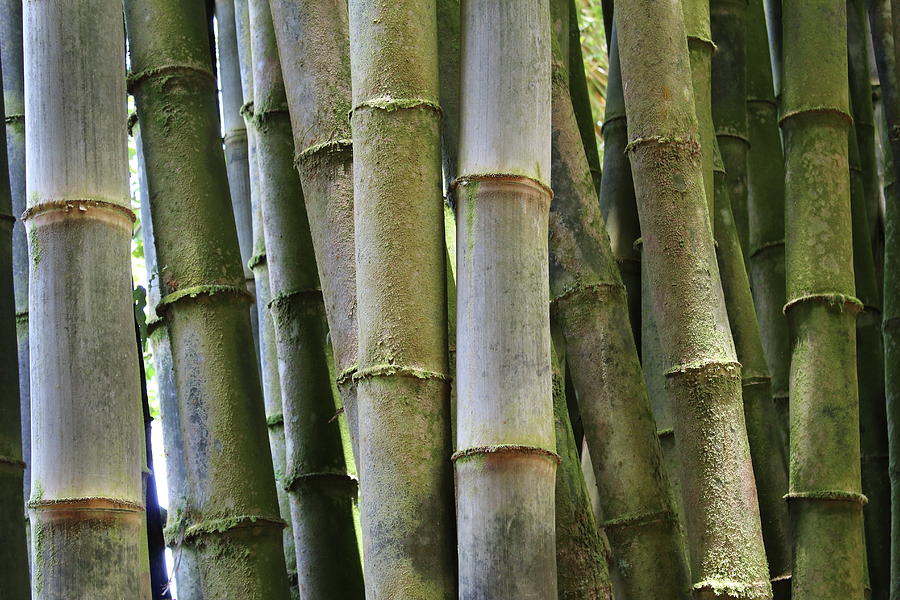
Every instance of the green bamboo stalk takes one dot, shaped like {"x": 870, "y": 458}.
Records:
{"x": 701, "y": 50}
{"x": 870, "y": 369}
{"x": 703, "y": 378}
{"x": 403, "y": 390}
{"x": 448, "y": 13}
{"x": 773, "y": 26}
{"x": 231, "y": 526}
{"x": 235, "y": 141}
{"x": 825, "y": 499}
{"x": 617, "y": 193}
{"x": 883, "y": 42}
{"x": 321, "y": 492}
{"x": 11, "y": 56}
{"x": 13, "y": 550}
{"x": 313, "y": 41}
{"x": 728, "y": 20}
{"x": 765, "y": 207}
{"x": 184, "y": 566}
{"x": 589, "y": 304}
{"x": 88, "y": 529}
{"x": 506, "y": 462}
{"x": 766, "y": 443}
{"x": 578, "y": 90}
{"x": 581, "y": 556}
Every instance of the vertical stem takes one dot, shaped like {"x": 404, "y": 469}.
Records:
{"x": 88, "y": 537}
{"x": 701, "y": 50}
{"x": 825, "y": 496}
{"x": 403, "y": 390}
{"x": 506, "y": 462}
{"x": 578, "y": 90}
{"x": 589, "y": 305}
{"x": 231, "y": 525}
{"x": 235, "y": 142}
{"x": 703, "y": 375}
{"x": 765, "y": 208}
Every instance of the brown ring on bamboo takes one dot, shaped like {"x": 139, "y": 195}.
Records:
{"x": 757, "y": 589}
{"x": 313, "y": 295}
{"x": 831, "y": 300}
{"x": 828, "y": 495}
{"x": 834, "y": 111}
{"x": 638, "y": 519}
{"x": 386, "y": 370}
{"x": 81, "y": 206}
{"x": 505, "y": 449}
{"x": 221, "y": 526}
{"x": 389, "y": 104}
{"x": 294, "y": 480}
{"x": 201, "y": 290}
{"x": 133, "y": 79}
{"x": 15, "y": 462}
{"x": 598, "y": 289}
{"x": 96, "y": 503}
{"x": 502, "y": 178}
{"x": 328, "y": 147}
{"x": 731, "y": 367}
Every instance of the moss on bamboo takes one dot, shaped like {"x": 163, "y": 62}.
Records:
{"x": 589, "y": 304}
{"x": 702, "y": 375}
{"x": 821, "y": 310}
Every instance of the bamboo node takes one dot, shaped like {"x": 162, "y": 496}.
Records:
{"x": 597, "y": 289}
{"x": 275, "y": 419}
{"x": 690, "y": 144}
{"x": 7, "y": 217}
{"x": 832, "y": 111}
{"x": 180, "y": 532}
{"x": 610, "y": 119}
{"x": 832, "y": 301}
{"x": 256, "y": 260}
{"x": 134, "y": 78}
{"x": 730, "y": 368}
{"x": 829, "y": 496}
{"x": 14, "y": 119}
{"x": 505, "y": 449}
{"x": 511, "y": 178}
{"x": 22, "y": 317}
{"x": 347, "y": 375}
{"x": 704, "y": 41}
{"x": 638, "y": 519}
{"x": 748, "y": 380}
{"x": 326, "y": 147}
{"x": 92, "y": 503}
{"x": 15, "y": 462}
{"x": 202, "y": 290}
{"x": 765, "y": 101}
{"x": 246, "y": 111}
{"x": 80, "y": 205}
{"x": 282, "y": 299}
{"x": 239, "y": 134}
{"x": 726, "y": 588}
{"x": 295, "y": 480}
{"x": 766, "y": 246}
{"x": 260, "y": 115}
{"x": 389, "y": 370}
{"x": 154, "y": 323}
{"x": 391, "y": 104}
{"x": 734, "y": 134}
{"x": 665, "y": 432}
{"x": 131, "y": 122}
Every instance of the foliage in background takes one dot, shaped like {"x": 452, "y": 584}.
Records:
{"x": 593, "y": 47}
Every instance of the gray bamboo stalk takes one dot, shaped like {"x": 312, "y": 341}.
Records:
{"x": 321, "y": 492}
{"x": 13, "y": 550}
{"x": 883, "y": 42}
{"x": 313, "y": 41}
{"x": 403, "y": 388}
{"x": 703, "y": 375}
{"x": 235, "y": 142}
{"x": 617, "y": 192}
{"x": 268, "y": 351}
{"x": 870, "y": 368}
{"x": 589, "y": 304}
{"x": 506, "y": 462}
{"x": 773, "y": 26}
{"x": 728, "y": 20}
{"x": 765, "y": 207}
{"x": 231, "y": 525}
{"x": 762, "y": 420}
{"x": 578, "y": 90}
{"x": 87, "y": 438}
{"x": 11, "y": 56}
{"x": 581, "y": 555}
{"x": 184, "y": 566}
{"x": 825, "y": 491}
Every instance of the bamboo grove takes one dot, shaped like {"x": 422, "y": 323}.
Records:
{"x": 437, "y": 299}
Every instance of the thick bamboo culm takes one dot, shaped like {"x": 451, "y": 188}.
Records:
{"x": 321, "y": 492}
{"x": 825, "y": 496}
{"x": 231, "y": 524}
{"x": 590, "y": 307}
{"x": 703, "y": 375}
{"x": 87, "y": 521}
{"x": 506, "y": 460}
{"x": 701, "y": 50}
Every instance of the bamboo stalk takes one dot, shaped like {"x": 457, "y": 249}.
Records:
{"x": 821, "y": 308}
{"x": 762, "y": 421}
{"x": 88, "y": 537}
{"x": 765, "y": 207}
{"x": 728, "y": 20}
{"x": 322, "y": 494}
{"x": 231, "y": 525}
{"x": 11, "y": 56}
{"x": 703, "y": 377}
{"x": 581, "y": 555}
{"x": 506, "y": 462}
{"x": 403, "y": 390}
{"x": 313, "y": 41}
{"x": 578, "y": 90}
{"x": 235, "y": 141}
{"x": 870, "y": 369}
{"x": 701, "y": 50}
{"x": 589, "y": 304}
{"x": 13, "y": 551}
